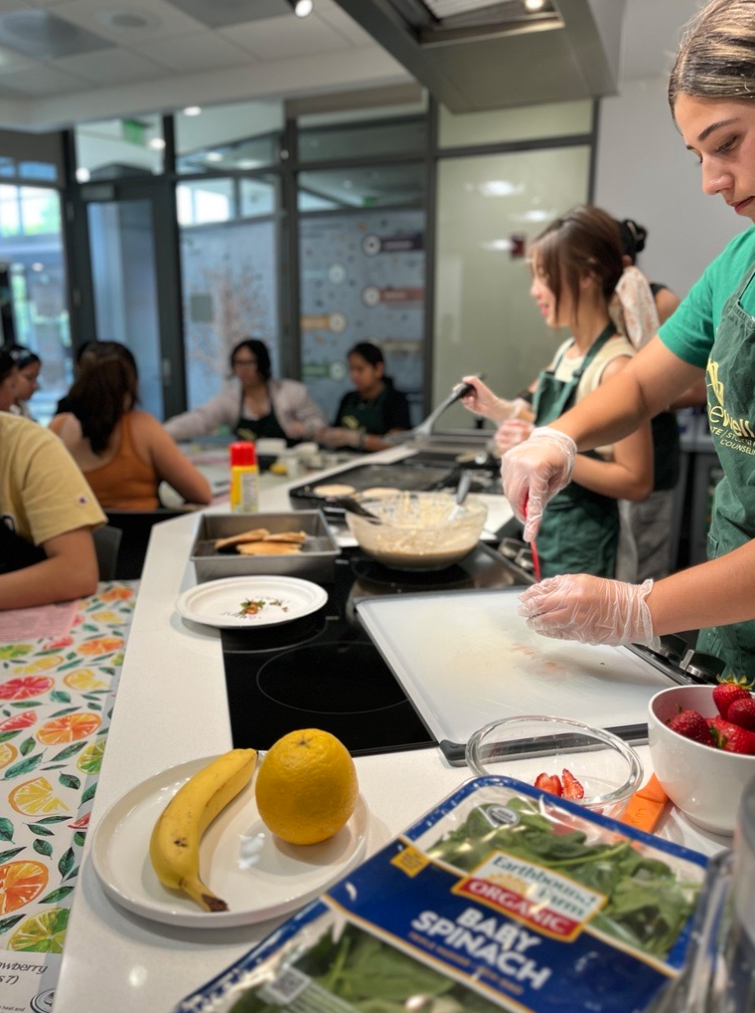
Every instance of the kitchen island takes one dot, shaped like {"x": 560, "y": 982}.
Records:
{"x": 171, "y": 707}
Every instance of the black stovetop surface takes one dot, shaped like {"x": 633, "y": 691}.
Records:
{"x": 323, "y": 671}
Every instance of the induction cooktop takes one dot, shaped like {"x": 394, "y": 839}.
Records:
{"x": 323, "y": 671}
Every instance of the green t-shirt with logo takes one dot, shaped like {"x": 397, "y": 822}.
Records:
{"x": 690, "y": 331}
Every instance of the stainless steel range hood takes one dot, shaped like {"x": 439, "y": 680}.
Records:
{"x": 475, "y": 55}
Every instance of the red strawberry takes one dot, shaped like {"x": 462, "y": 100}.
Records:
{"x": 549, "y": 782}
{"x": 725, "y": 694}
{"x": 731, "y": 737}
{"x": 742, "y": 712}
{"x": 572, "y": 788}
{"x": 692, "y": 725}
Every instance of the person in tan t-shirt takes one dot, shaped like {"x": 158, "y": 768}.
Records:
{"x": 47, "y": 514}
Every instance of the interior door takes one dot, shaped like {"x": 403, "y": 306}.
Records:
{"x": 134, "y": 286}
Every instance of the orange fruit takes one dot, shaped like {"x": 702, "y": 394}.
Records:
{"x": 306, "y": 787}
{"x": 35, "y": 798}
{"x": 42, "y": 933}
{"x": 8, "y": 754}
{"x": 117, "y": 594}
{"x": 20, "y": 882}
{"x": 22, "y": 689}
{"x": 84, "y": 679}
{"x": 101, "y": 645}
{"x": 69, "y": 728}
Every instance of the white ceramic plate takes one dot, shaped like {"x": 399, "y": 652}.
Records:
{"x": 257, "y": 874}
{"x": 281, "y": 600}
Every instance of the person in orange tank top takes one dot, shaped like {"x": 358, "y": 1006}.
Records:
{"x": 124, "y": 453}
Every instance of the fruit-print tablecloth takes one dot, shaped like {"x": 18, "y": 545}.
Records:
{"x": 56, "y": 699}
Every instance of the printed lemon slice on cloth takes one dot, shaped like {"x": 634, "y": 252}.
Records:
{"x": 43, "y": 664}
{"x": 42, "y": 933}
{"x": 90, "y": 760}
{"x": 69, "y": 728}
{"x": 101, "y": 645}
{"x": 23, "y": 689}
{"x": 20, "y": 883}
{"x": 8, "y": 754}
{"x": 36, "y": 798}
{"x": 85, "y": 680}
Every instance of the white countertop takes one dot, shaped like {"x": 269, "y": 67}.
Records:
{"x": 170, "y": 708}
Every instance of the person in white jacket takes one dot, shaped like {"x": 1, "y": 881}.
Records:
{"x": 252, "y": 403}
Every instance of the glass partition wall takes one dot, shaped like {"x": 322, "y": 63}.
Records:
{"x": 405, "y": 226}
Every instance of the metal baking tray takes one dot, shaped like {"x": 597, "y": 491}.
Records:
{"x": 407, "y": 476}
{"x": 315, "y": 561}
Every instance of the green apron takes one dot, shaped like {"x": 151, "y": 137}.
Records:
{"x": 267, "y": 427}
{"x": 579, "y": 532}
{"x": 365, "y": 415}
{"x": 730, "y": 405}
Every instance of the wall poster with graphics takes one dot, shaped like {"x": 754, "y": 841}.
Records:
{"x": 230, "y": 291}
{"x": 362, "y": 279}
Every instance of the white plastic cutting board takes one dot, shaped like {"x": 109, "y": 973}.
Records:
{"x": 466, "y": 658}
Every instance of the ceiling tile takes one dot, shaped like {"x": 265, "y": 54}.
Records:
{"x": 116, "y": 66}
{"x": 220, "y": 13}
{"x": 41, "y": 80}
{"x": 44, "y": 35}
{"x": 341, "y": 22}
{"x": 163, "y": 20}
{"x": 198, "y": 52}
{"x": 281, "y": 38}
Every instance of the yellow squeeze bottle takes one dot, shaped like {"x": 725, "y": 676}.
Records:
{"x": 244, "y": 478}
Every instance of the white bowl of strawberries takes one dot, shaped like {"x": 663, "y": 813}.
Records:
{"x": 702, "y": 746}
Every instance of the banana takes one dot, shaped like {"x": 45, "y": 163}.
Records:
{"x": 174, "y": 845}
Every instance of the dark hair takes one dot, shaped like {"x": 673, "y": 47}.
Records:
{"x": 632, "y": 238}
{"x": 22, "y": 356}
{"x": 716, "y": 57}
{"x": 583, "y": 241}
{"x": 259, "y": 351}
{"x": 367, "y": 351}
{"x": 7, "y": 364}
{"x": 106, "y": 388}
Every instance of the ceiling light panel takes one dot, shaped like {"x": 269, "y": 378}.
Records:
{"x": 44, "y": 36}
{"x": 223, "y": 13}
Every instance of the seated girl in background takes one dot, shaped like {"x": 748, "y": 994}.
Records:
{"x": 28, "y": 364}
{"x": 47, "y": 514}
{"x": 373, "y": 410}
{"x": 254, "y": 405}
{"x": 8, "y": 381}
{"x": 124, "y": 453}
{"x": 576, "y": 266}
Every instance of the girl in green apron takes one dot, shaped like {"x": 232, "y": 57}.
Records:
{"x": 375, "y": 408}
{"x": 576, "y": 265}
{"x": 712, "y": 98}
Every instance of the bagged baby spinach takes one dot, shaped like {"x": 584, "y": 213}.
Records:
{"x": 501, "y": 897}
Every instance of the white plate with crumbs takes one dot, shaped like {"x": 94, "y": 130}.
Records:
{"x": 241, "y": 861}
{"x": 250, "y": 602}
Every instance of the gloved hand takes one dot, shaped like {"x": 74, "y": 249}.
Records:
{"x": 339, "y": 436}
{"x": 512, "y": 433}
{"x": 484, "y": 402}
{"x": 534, "y": 472}
{"x": 593, "y": 610}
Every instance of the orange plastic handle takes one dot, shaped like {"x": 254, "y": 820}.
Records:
{"x": 645, "y": 806}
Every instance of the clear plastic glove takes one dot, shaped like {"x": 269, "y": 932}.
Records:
{"x": 512, "y": 433}
{"x": 534, "y": 472}
{"x": 593, "y": 610}
{"x": 482, "y": 401}
{"x": 339, "y": 436}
